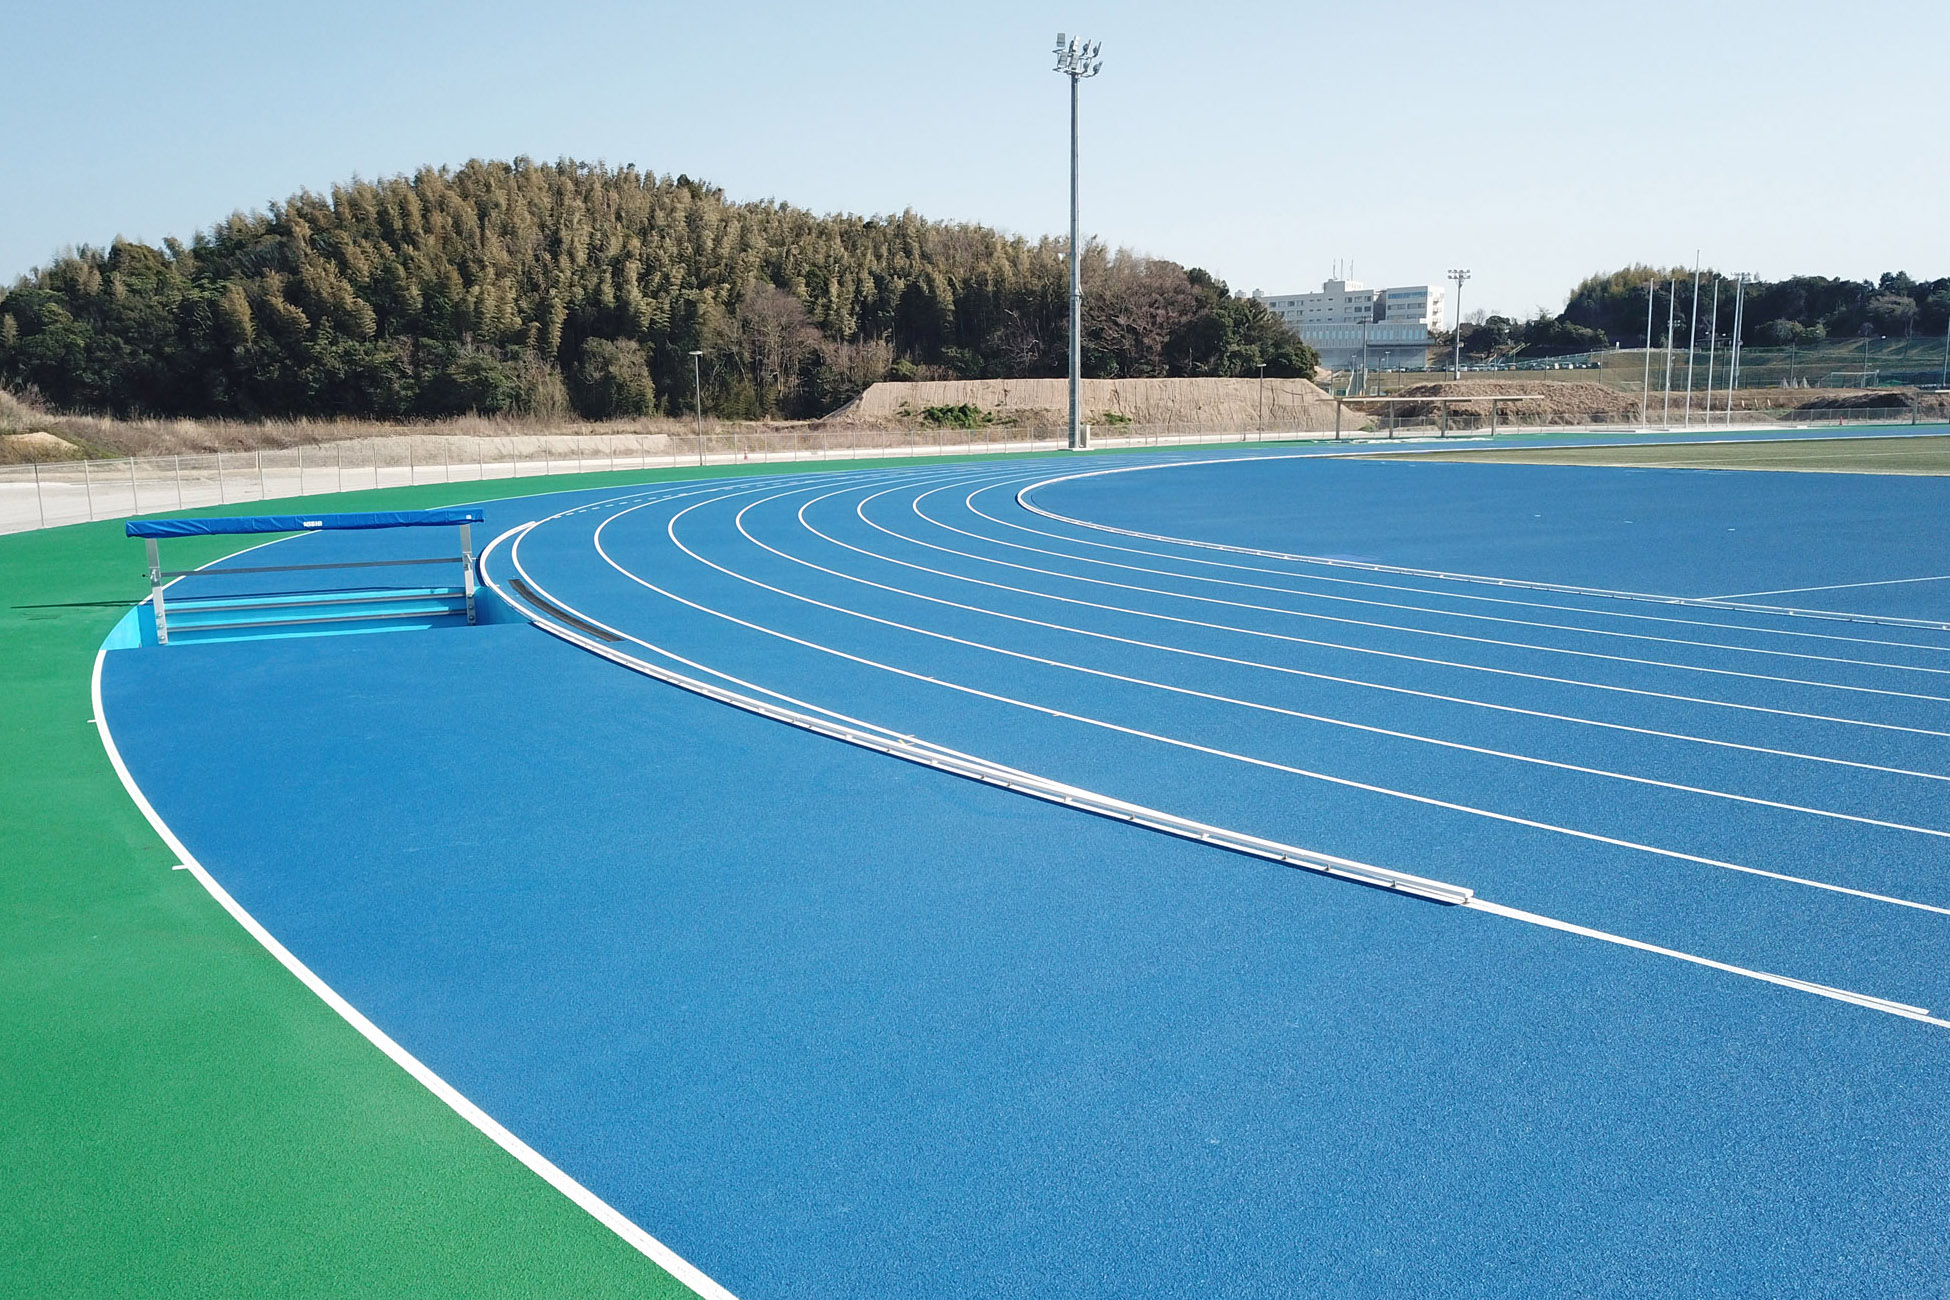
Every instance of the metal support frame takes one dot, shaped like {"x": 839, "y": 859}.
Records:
{"x": 156, "y": 592}
{"x": 467, "y": 566}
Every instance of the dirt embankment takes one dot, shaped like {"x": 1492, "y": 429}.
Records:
{"x": 1578, "y": 402}
{"x": 1107, "y": 403}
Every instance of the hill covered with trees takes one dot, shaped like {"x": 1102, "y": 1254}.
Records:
{"x": 1609, "y": 309}
{"x": 541, "y": 288}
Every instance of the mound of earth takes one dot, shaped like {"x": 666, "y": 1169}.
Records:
{"x": 1206, "y": 403}
{"x": 37, "y": 446}
{"x": 1550, "y": 402}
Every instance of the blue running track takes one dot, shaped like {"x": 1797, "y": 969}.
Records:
{"x": 827, "y": 1022}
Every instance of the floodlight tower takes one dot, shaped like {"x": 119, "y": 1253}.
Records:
{"x": 1076, "y": 58}
{"x": 1459, "y": 276}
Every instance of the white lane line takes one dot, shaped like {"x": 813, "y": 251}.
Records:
{"x": 1388, "y": 654}
{"x": 1524, "y": 645}
{"x": 1022, "y": 497}
{"x": 1325, "y": 578}
{"x": 1215, "y": 697}
{"x": 878, "y": 739}
{"x": 860, "y": 512}
{"x": 1211, "y": 751}
{"x": 1420, "y": 591}
{"x": 1833, "y": 586}
{"x": 1492, "y": 618}
{"x": 1903, "y": 1009}
{"x": 597, "y": 1208}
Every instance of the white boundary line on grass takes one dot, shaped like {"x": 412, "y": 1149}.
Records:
{"x": 602, "y": 1211}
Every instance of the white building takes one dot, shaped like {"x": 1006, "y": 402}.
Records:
{"x": 1347, "y": 318}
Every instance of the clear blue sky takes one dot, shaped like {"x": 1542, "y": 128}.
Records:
{"x": 1533, "y": 142}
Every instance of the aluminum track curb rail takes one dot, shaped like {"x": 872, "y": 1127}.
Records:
{"x": 1526, "y": 584}
{"x": 927, "y": 754}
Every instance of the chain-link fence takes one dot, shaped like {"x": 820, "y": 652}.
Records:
{"x": 44, "y": 494}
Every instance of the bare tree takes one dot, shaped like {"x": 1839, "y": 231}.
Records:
{"x": 774, "y": 336}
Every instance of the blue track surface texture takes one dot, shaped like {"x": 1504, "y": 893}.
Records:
{"x": 827, "y": 1022}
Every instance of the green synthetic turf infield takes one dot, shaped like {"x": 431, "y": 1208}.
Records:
{"x": 1920, "y": 454}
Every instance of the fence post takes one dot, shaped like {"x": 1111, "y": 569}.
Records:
{"x": 179, "y": 481}
{"x": 412, "y": 471}
{"x": 338, "y": 463}
{"x": 257, "y": 456}
{"x": 40, "y": 502}
{"x": 221, "y": 498}
{"x": 88, "y": 486}
{"x": 135, "y": 492}
{"x": 301, "y": 469}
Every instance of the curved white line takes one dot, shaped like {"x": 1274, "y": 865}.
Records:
{"x": 1022, "y": 498}
{"x": 860, "y": 512}
{"x": 1457, "y": 613}
{"x": 1175, "y": 742}
{"x": 1370, "y": 650}
{"x": 1701, "y": 602}
{"x": 1821, "y": 990}
{"x": 739, "y": 523}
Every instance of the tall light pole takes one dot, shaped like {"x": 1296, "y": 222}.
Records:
{"x": 697, "y": 393}
{"x": 1459, "y": 276}
{"x": 1076, "y": 58}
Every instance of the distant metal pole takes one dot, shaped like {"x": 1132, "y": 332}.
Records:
{"x": 258, "y": 455}
{"x": 1645, "y": 384}
{"x": 40, "y": 502}
{"x": 179, "y": 481}
{"x": 1943, "y": 379}
{"x": 1262, "y": 397}
{"x": 1076, "y": 58}
{"x": 1712, "y": 343}
{"x": 88, "y": 487}
{"x": 1459, "y": 276}
{"x": 1672, "y": 304}
{"x": 697, "y": 396}
{"x": 1692, "y": 340}
{"x": 1739, "y": 325}
{"x": 135, "y": 493}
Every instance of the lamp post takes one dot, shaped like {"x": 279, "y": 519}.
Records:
{"x": 1076, "y": 58}
{"x": 697, "y": 394}
{"x": 1459, "y": 276}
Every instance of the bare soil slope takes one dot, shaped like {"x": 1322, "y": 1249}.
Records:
{"x": 1208, "y": 403}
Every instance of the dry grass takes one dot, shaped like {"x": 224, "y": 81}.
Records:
{"x": 105, "y": 436}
